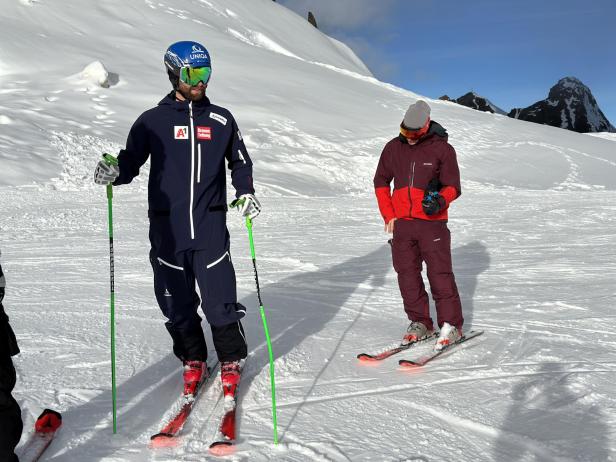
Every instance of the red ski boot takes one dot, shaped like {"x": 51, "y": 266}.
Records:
{"x": 230, "y": 377}
{"x": 193, "y": 374}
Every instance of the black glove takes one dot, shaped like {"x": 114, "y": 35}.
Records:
{"x": 433, "y": 203}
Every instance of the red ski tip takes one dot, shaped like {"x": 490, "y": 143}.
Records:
{"x": 163, "y": 440}
{"x": 49, "y": 421}
{"x": 409, "y": 365}
{"x": 412, "y": 368}
{"x": 222, "y": 448}
{"x": 368, "y": 361}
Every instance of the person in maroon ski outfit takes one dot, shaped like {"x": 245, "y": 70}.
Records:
{"x": 424, "y": 169}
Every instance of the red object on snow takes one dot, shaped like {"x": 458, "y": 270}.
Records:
{"x": 49, "y": 421}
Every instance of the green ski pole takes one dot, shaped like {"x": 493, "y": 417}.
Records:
{"x": 111, "y": 160}
{"x": 237, "y": 203}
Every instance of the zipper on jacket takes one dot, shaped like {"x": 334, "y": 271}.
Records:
{"x": 198, "y": 162}
{"x": 411, "y": 182}
{"x": 192, "y": 170}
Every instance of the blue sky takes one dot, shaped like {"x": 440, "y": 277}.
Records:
{"x": 512, "y": 52}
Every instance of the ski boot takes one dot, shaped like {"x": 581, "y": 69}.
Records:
{"x": 415, "y": 332}
{"x": 448, "y": 335}
{"x": 230, "y": 377}
{"x": 193, "y": 374}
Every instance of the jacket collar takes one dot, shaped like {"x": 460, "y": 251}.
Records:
{"x": 171, "y": 102}
{"x": 435, "y": 130}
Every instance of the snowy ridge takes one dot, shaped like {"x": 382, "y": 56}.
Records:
{"x": 604, "y": 135}
{"x": 532, "y": 244}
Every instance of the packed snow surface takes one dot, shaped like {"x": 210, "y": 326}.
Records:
{"x": 533, "y": 248}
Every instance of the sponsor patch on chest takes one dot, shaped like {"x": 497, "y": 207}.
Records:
{"x": 218, "y": 118}
{"x": 204, "y": 133}
{"x": 180, "y": 132}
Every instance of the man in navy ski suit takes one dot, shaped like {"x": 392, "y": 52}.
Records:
{"x": 189, "y": 140}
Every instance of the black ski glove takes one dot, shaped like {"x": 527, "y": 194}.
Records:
{"x": 433, "y": 203}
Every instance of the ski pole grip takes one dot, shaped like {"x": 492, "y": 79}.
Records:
{"x": 237, "y": 203}
{"x": 109, "y": 159}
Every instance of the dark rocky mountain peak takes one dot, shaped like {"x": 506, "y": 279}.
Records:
{"x": 474, "y": 101}
{"x": 570, "y": 105}
{"x": 312, "y": 20}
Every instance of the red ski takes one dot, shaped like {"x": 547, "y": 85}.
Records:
{"x": 45, "y": 429}
{"x": 422, "y": 361}
{"x": 392, "y": 351}
{"x": 168, "y": 435}
{"x": 225, "y": 437}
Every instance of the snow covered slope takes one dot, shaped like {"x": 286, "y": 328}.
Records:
{"x": 533, "y": 249}
{"x": 604, "y": 135}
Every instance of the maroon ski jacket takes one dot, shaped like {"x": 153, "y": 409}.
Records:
{"x": 412, "y": 167}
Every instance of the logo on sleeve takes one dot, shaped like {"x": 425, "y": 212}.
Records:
{"x": 218, "y": 118}
{"x": 204, "y": 133}
{"x": 180, "y": 132}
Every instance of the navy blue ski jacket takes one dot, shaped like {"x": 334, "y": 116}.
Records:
{"x": 188, "y": 143}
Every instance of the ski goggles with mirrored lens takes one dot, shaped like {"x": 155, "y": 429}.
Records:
{"x": 414, "y": 133}
{"x": 193, "y": 75}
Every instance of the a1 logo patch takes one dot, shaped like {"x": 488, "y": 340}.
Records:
{"x": 204, "y": 133}
{"x": 180, "y": 132}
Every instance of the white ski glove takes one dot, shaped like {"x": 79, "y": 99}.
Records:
{"x": 249, "y": 206}
{"x": 105, "y": 174}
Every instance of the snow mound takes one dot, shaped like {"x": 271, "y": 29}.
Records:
{"x": 97, "y": 73}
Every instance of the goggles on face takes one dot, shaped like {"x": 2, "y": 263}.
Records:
{"x": 414, "y": 133}
{"x": 193, "y": 75}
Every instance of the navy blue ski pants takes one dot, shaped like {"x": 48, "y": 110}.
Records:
{"x": 175, "y": 275}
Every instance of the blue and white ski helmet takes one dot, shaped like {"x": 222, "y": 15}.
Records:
{"x": 182, "y": 54}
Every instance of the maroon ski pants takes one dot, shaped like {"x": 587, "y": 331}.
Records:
{"x": 417, "y": 241}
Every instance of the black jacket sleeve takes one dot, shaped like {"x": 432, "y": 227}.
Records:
{"x": 239, "y": 163}
{"x": 8, "y": 342}
{"x": 136, "y": 153}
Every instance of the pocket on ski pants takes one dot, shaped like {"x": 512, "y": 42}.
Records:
{"x": 218, "y": 288}
{"x": 176, "y": 297}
